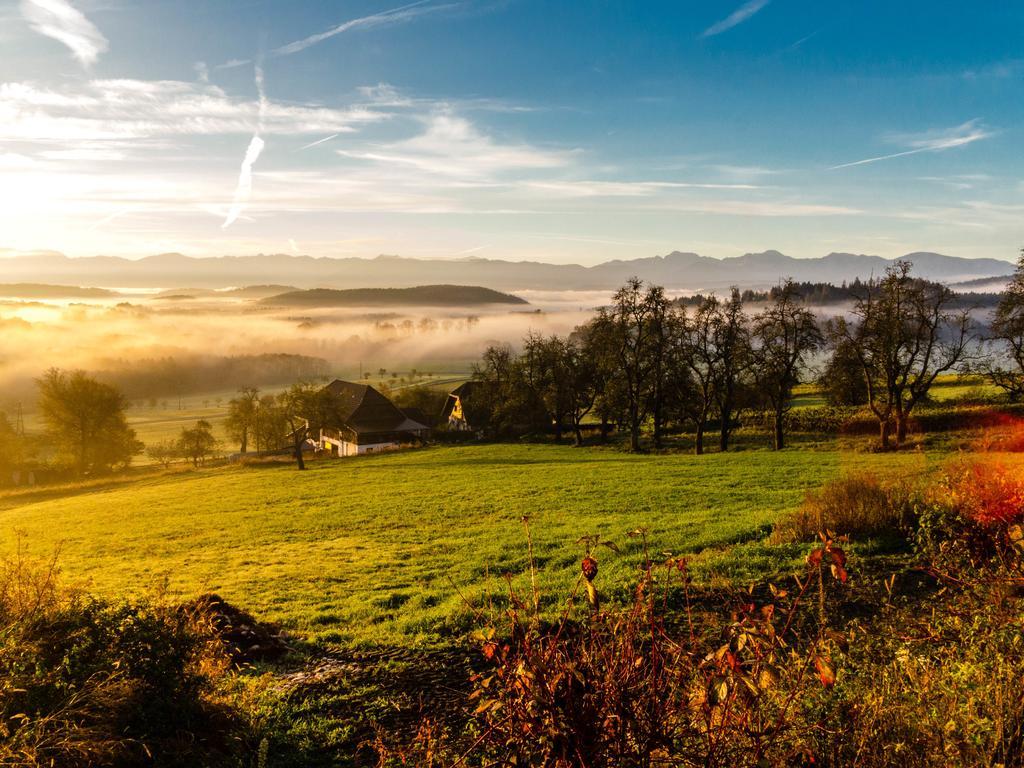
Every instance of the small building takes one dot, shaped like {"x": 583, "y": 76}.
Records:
{"x": 369, "y": 423}
{"x": 454, "y": 412}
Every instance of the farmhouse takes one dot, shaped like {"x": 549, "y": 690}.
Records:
{"x": 369, "y": 422}
{"x": 454, "y": 411}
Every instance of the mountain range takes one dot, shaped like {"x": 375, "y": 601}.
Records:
{"x": 676, "y": 270}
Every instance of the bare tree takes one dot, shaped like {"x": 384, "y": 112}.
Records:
{"x": 629, "y": 326}
{"x": 732, "y": 340}
{"x": 697, "y": 364}
{"x": 904, "y": 335}
{"x": 1006, "y": 370}
{"x": 784, "y": 334}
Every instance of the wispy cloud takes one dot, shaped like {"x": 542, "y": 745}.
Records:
{"x": 452, "y": 146}
{"x": 107, "y": 110}
{"x": 738, "y": 16}
{"x": 243, "y": 190}
{"x": 394, "y": 16}
{"x": 63, "y": 22}
{"x": 932, "y": 141}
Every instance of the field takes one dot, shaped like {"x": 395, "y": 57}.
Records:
{"x": 376, "y": 550}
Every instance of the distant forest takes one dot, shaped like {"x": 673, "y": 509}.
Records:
{"x": 821, "y": 294}
{"x": 198, "y": 374}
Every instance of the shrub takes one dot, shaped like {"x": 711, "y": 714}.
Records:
{"x": 87, "y": 682}
{"x": 856, "y": 504}
{"x": 973, "y": 518}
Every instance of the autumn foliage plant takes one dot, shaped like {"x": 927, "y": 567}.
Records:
{"x": 662, "y": 681}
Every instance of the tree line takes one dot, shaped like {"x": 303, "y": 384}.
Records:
{"x": 648, "y": 364}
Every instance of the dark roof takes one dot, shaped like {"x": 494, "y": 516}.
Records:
{"x": 362, "y": 409}
{"x": 464, "y": 389}
{"x": 417, "y": 414}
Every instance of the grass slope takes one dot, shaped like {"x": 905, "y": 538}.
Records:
{"x": 367, "y": 550}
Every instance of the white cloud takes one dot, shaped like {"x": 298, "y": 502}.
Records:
{"x": 60, "y": 20}
{"x": 136, "y": 109}
{"x": 931, "y": 141}
{"x": 738, "y": 16}
{"x": 454, "y": 147}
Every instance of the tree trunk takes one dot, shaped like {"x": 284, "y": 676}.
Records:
{"x": 885, "y": 430}
{"x": 698, "y": 445}
{"x": 779, "y": 432}
{"x": 245, "y": 440}
{"x": 605, "y": 428}
{"x": 901, "y": 428}
{"x": 579, "y": 433}
{"x": 299, "y": 460}
{"x": 723, "y": 441}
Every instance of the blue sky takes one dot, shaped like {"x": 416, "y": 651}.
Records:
{"x": 569, "y": 131}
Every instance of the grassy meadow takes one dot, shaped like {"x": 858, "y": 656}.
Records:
{"x": 377, "y": 549}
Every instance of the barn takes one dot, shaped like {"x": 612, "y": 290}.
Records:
{"x": 454, "y": 412}
{"x": 369, "y": 422}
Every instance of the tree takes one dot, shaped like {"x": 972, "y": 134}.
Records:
{"x": 904, "y": 336}
{"x": 198, "y": 443}
{"x": 842, "y": 378}
{"x": 85, "y": 420}
{"x": 270, "y": 427}
{"x": 13, "y": 449}
{"x": 164, "y": 452}
{"x": 545, "y": 366}
{"x": 732, "y": 341}
{"x": 1006, "y": 371}
{"x": 786, "y": 332}
{"x": 307, "y": 408}
{"x": 242, "y": 413}
{"x": 630, "y": 327}
{"x": 697, "y": 365}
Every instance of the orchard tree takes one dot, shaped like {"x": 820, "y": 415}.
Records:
{"x": 85, "y": 419}
{"x": 242, "y": 413}
{"x": 1006, "y": 370}
{"x": 697, "y": 364}
{"x": 904, "y": 334}
{"x": 197, "y": 443}
{"x": 631, "y": 327}
{"x": 785, "y": 333}
{"x": 164, "y": 452}
{"x": 307, "y": 408}
{"x": 732, "y": 341}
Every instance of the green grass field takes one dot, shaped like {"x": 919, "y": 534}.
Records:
{"x": 370, "y": 550}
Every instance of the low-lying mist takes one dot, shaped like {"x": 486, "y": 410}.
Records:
{"x": 106, "y": 336}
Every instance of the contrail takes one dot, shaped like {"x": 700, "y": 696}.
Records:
{"x": 243, "y": 191}
{"x": 318, "y": 141}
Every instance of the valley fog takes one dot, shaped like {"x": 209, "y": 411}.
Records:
{"x": 129, "y": 331}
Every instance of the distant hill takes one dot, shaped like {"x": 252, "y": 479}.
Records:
{"x": 245, "y": 292}
{"x": 44, "y": 291}
{"x": 676, "y": 270}
{"x": 421, "y": 295}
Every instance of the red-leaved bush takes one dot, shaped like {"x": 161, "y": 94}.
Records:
{"x": 986, "y": 493}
